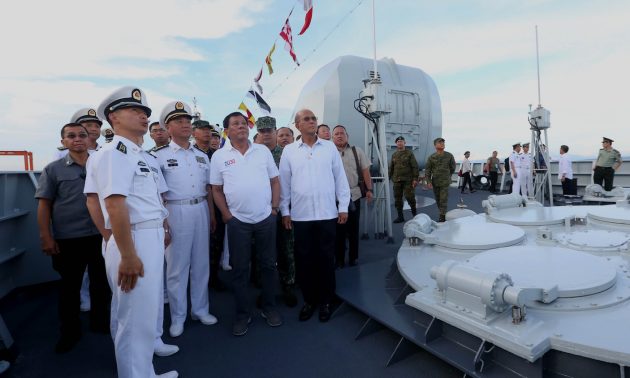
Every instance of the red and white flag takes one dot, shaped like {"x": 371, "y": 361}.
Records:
{"x": 308, "y": 7}
{"x": 285, "y": 33}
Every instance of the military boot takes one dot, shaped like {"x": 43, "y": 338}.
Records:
{"x": 400, "y": 218}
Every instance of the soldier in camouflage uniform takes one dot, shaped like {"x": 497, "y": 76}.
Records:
{"x": 608, "y": 161}
{"x": 439, "y": 169}
{"x": 403, "y": 171}
{"x": 266, "y": 127}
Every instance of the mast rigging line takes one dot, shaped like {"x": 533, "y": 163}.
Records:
{"x": 317, "y": 46}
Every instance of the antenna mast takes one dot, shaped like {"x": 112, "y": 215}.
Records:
{"x": 537, "y": 65}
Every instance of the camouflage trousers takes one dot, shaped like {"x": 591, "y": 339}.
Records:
{"x": 441, "y": 198}
{"x": 286, "y": 257}
{"x": 410, "y": 195}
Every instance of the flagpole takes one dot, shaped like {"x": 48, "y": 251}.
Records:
{"x": 374, "y": 36}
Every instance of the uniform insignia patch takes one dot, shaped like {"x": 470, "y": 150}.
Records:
{"x": 121, "y": 147}
{"x": 172, "y": 163}
{"x": 92, "y": 112}
{"x": 142, "y": 164}
{"x": 200, "y": 159}
{"x": 143, "y": 169}
{"x": 154, "y": 170}
{"x": 179, "y": 105}
{"x": 136, "y": 94}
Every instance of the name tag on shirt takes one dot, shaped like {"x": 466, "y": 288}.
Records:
{"x": 200, "y": 160}
{"x": 172, "y": 163}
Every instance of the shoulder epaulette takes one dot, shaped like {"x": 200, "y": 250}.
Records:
{"x": 61, "y": 148}
{"x": 151, "y": 153}
{"x": 121, "y": 147}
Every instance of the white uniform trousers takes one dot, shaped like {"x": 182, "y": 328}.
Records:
{"x": 187, "y": 254}
{"x": 135, "y": 314}
{"x": 525, "y": 178}
{"x": 516, "y": 182}
{"x": 113, "y": 322}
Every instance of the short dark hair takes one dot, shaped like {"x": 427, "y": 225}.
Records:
{"x": 467, "y": 152}
{"x": 564, "y": 148}
{"x": 153, "y": 124}
{"x": 342, "y": 126}
{"x": 322, "y": 125}
{"x": 71, "y": 124}
{"x": 288, "y": 128}
{"x": 226, "y": 120}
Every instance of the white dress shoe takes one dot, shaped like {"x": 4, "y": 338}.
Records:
{"x": 170, "y": 374}
{"x": 176, "y": 329}
{"x": 207, "y": 319}
{"x": 164, "y": 350}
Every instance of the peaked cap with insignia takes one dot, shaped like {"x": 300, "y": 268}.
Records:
{"x": 85, "y": 115}
{"x": 125, "y": 97}
{"x": 173, "y": 110}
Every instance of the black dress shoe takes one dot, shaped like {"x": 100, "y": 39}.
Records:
{"x": 306, "y": 312}
{"x": 324, "y": 313}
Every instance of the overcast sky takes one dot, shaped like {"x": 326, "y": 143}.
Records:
{"x": 63, "y": 55}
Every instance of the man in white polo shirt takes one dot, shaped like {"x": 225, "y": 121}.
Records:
{"x": 313, "y": 181}
{"x": 246, "y": 190}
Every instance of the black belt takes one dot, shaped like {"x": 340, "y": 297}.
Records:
{"x": 606, "y": 168}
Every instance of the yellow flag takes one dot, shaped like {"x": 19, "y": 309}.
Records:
{"x": 268, "y": 59}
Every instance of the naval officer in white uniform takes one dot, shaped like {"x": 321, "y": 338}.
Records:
{"x": 127, "y": 184}
{"x": 191, "y": 215}
{"x": 525, "y": 172}
{"x": 515, "y": 166}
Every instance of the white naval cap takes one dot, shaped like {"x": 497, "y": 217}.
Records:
{"x": 125, "y": 97}
{"x": 173, "y": 110}
{"x": 85, "y": 115}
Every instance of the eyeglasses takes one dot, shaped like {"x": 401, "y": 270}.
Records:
{"x": 309, "y": 118}
{"x": 73, "y": 135}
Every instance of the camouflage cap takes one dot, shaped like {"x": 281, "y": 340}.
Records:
{"x": 438, "y": 140}
{"x": 200, "y": 124}
{"x": 400, "y": 138}
{"x": 265, "y": 122}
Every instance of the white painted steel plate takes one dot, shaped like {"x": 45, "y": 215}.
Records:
{"x": 575, "y": 273}
{"x": 478, "y": 236}
{"x": 597, "y": 239}
{"x": 532, "y": 216}
{"x": 612, "y": 214}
